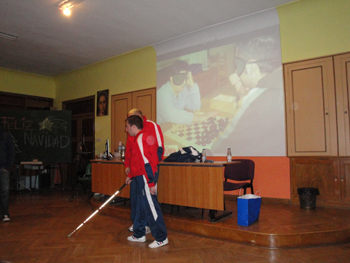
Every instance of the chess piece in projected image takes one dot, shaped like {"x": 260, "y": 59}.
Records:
{"x": 198, "y": 134}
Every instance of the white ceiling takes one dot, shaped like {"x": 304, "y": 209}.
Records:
{"x": 51, "y": 44}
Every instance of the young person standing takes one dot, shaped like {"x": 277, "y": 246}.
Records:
{"x": 144, "y": 171}
{"x": 7, "y": 158}
{"x": 154, "y": 130}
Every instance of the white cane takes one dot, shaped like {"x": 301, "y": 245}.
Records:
{"x": 98, "y": 209}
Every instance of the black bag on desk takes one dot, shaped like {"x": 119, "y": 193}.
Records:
{"x": 186, "y": 155}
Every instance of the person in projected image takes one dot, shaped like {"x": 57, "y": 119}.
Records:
{"x": 179, "y": 97}
{"x": 257, "y": 127}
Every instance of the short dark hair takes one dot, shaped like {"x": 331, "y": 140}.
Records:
{"x": 265, "y": 50}
{"x": 135, "y": 120}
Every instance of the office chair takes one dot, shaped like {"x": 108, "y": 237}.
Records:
{"x": 85, "y": 179}
{"x": 242, "y": 173}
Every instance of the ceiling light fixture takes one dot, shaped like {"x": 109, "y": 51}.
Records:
{"x": 8, "y": 36}
{"x": 66, "y": 5}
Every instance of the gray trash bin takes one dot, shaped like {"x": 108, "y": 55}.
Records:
{"x": 307, "y": 197}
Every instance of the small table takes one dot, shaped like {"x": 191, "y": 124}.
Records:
{"x": 32, "y": 166}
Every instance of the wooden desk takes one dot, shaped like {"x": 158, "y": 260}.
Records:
{"x": 185, "y": 184}
{"x": 107, "y": 176}
{"x": 192, "y": 184}
{"x": 197, "y": 185}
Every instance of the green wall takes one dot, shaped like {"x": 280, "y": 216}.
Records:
{"x": 25, "y": 83}
{"x": 129, "y": 72}
{"x": 314, "y": 28}
{"x": 309, "y": 28}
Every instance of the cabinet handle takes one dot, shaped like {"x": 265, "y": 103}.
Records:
{"x": 342, "y": 178}
{"x": 335, "y": 178}
{"x": 346, "y": 112}
{"x": 326, "y": 113}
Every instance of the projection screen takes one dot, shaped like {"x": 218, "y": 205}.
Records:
{"x": 222, "y": 87}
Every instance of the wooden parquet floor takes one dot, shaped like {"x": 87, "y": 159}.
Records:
{"x": 40, "y": 225}
{"x": 279, "y": 225}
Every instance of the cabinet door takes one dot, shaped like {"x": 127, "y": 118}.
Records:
{"x": 311, "y": 113}
{"x": 121, "y": 105}
{"x": 342, "y": 80}
{"x": 145, "y": 100}
{"x": 321, "y": 173}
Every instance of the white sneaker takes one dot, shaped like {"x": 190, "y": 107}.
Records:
{"x": 131, "y": 229}
{"x": 135, "y": 239}
{"x": 6, "y": 218}
{"x": 156, "y": 244}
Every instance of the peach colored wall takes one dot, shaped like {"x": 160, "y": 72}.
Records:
{"x": 271, "y": 177}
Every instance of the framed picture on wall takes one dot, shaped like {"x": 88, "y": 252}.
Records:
{"x": 102, "y": 103}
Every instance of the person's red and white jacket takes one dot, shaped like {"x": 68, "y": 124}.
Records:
{"x": 152, "y": 129}
{"x": 144, "y": 160}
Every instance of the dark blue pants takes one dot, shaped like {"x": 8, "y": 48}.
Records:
{"x": 133, "y": 197}
{"x": 133, "y": 200}
{"x": 148, "y": 212}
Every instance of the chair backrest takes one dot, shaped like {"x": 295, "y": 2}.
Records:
{"x": 240, "y": 171}
{"x": 88, "y": 169}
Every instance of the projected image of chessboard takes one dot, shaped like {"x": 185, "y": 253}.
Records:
{"x": 199, "y": 134}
